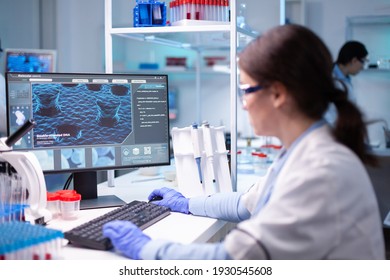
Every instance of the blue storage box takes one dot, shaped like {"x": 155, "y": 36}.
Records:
{"x": 150, "y": 13}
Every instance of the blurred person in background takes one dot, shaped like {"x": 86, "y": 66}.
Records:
{"x": 352, "y": 58}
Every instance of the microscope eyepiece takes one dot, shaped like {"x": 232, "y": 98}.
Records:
{"x": 14, "y": 137}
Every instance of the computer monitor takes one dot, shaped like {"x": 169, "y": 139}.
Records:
{"x": 91, "y": 122}
{"x": 30, "y": 60}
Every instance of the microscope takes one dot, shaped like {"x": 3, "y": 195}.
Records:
{"x": 27, "y": 166}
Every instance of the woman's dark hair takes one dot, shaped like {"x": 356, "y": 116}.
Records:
{"x": 350, "y": 50}
{"x": 297, "y": 57}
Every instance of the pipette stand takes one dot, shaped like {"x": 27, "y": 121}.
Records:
{"x": 27, "y": 166}
{"x": 186, "y": 167}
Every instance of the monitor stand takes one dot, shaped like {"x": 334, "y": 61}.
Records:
{"x": 85, "y": 183}
{"x": 103, "y": 201}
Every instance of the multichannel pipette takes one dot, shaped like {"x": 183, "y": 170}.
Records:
{"x": 196, "y": 147}
{"x": 208, "y": 146}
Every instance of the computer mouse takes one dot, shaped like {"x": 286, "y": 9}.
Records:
{"x": 156, "y": 198}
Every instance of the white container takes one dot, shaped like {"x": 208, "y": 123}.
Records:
{"x": 70, "y": 205}
{"x": 53, "y": 203}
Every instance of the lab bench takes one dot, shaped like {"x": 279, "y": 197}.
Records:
{"x": 176, "y": 227}
{"x": 188, "y": 228}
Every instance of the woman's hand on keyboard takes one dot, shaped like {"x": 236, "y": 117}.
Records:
{"x": 171, "y": 199}
{"x": 126, "y": 237}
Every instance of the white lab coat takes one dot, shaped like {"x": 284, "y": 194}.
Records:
{"x": 323, "y": 206}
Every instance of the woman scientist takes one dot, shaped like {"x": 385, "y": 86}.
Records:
{"x": 316, "y": 201}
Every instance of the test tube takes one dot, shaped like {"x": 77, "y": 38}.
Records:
{"x": 214, "y": 16}
{"x": 202, "y": 9}
{"x": 197, "y": 9}
{"x": 192, "y": 9}
{"x": 226, "y": 10}
{"x": 172, "y": 11}
{"x": 207, "y": 10}
{"x": 188, "y": 9}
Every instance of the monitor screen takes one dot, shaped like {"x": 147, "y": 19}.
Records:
{"x": 90, "y": 122}
{"x": 30, "y": 60}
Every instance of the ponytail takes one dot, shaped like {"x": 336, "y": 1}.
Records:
{"x": 350, "y": 128}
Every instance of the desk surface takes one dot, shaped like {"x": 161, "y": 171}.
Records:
{"x": 176, "y": 227}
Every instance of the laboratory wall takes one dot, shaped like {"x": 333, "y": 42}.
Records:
{"x": 20, "y": 24}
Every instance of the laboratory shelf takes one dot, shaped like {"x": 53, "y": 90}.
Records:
{"x": 196, "y": 37}
{"x": 369, "y": 20}
{"x": 377, "y": 70}
{"x": 217, "y": 27}
{"x": 191, "y": 71}
{"x": 171, "y": 29}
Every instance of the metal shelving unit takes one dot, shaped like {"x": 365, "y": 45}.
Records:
{"x": 199, "y": 38}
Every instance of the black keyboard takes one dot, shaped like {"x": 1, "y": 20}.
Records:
{"x": 141, "y": 213}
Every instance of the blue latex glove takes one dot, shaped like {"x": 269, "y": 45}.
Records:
{"x": 171, "y": 199}
{"x": 126, "y": 237}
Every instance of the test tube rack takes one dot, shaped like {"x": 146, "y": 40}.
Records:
{"x": 24, "y": 241}
{"x": 214, "y": 167}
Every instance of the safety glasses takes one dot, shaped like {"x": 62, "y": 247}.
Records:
{"x": 247, "y": 89}
{"x": 364, "y": 61}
